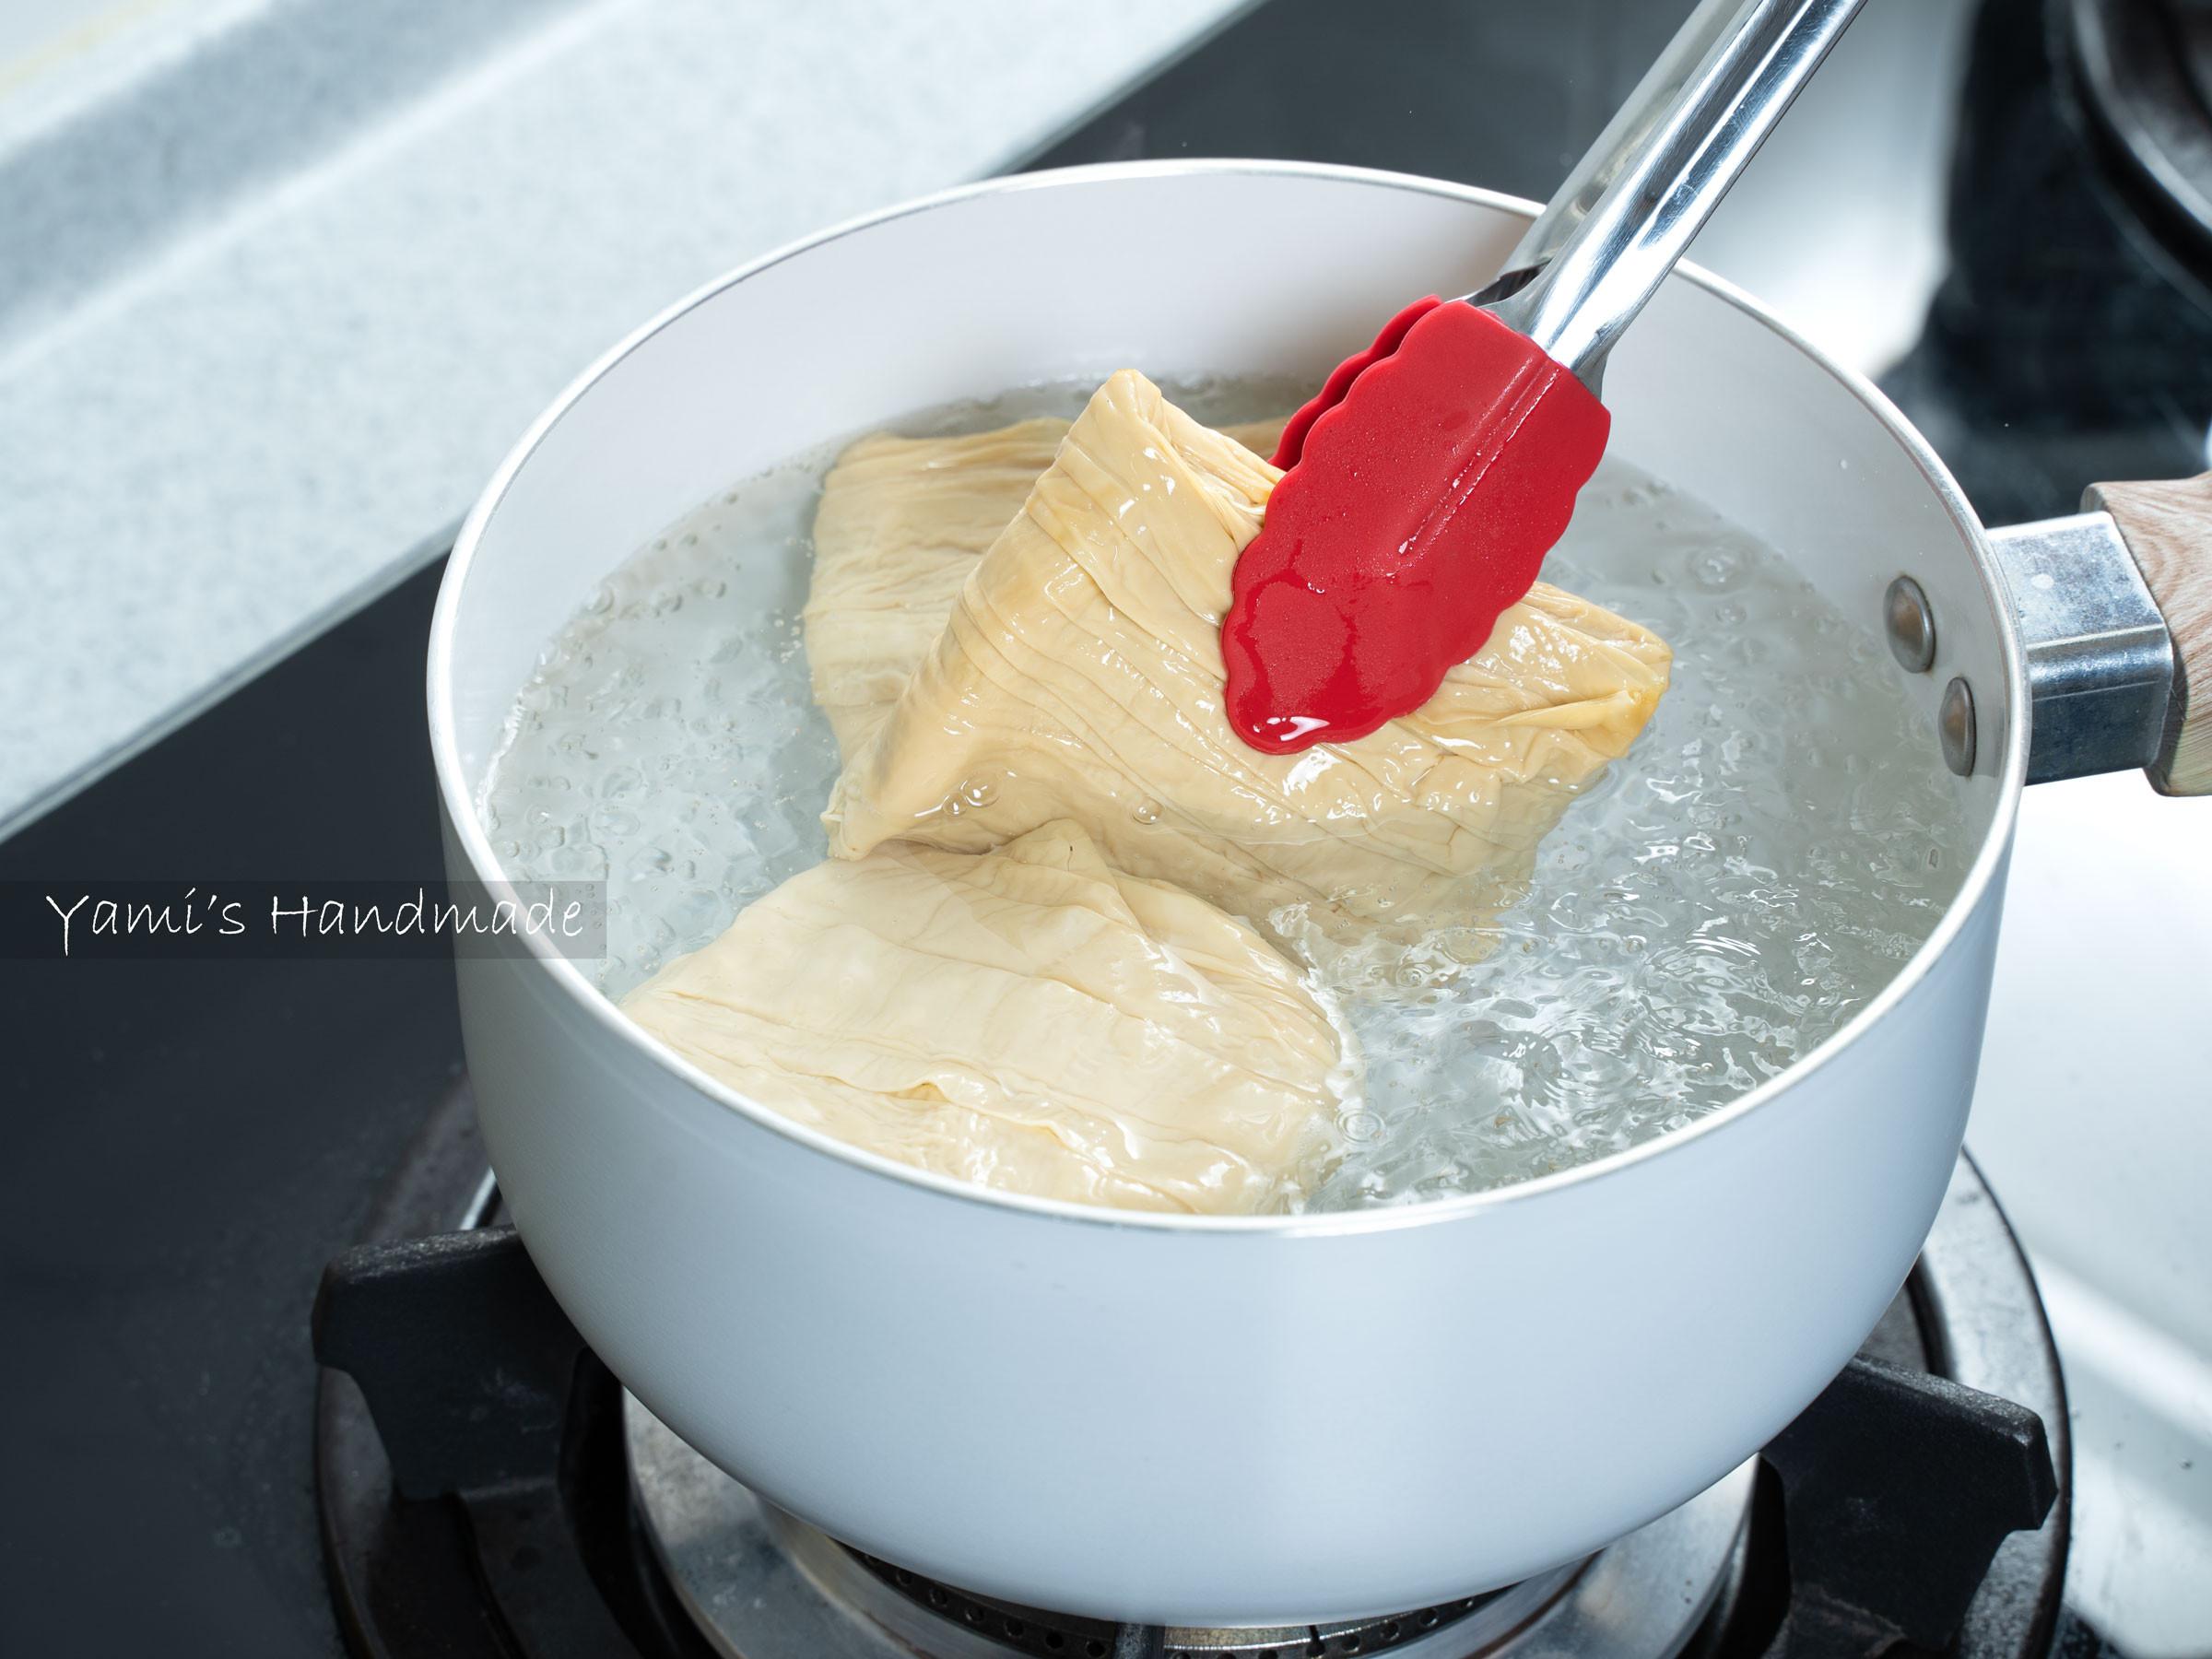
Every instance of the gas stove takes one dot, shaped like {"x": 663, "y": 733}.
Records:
{"x": 487, "y": 1486}
{"x": 193, "y": 1143}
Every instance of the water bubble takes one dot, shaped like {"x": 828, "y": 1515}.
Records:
{"x": 1717, "y": 568}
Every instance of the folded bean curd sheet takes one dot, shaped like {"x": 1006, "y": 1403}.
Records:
{"x": 1067, "y": 665}
{"x": 1027, "y": 1018}
{"x": 899, "y": 527}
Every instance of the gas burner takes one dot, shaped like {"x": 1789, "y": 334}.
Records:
{"x": 489, "y": 1491}
{"x": 2146, "y": 67}
{"x": 762, "y": 1585}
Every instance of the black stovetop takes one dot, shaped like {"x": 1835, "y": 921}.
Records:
{"x": 188, "y": 1143}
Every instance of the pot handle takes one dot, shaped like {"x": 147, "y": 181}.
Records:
{"x": 2167, "y": 525}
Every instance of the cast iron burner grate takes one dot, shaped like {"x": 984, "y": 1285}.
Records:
{"x": 480, "y": 1473}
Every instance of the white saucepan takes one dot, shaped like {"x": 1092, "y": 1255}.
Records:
{"x": 1203, "y": 1421}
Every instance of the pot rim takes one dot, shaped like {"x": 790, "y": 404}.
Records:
{"x": 456, "y": 793}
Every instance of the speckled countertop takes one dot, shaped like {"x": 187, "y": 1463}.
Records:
{"x": 284, "y": 278}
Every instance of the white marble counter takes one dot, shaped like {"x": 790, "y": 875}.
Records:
{"x": 284, "y": 278}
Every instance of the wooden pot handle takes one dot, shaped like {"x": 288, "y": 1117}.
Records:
{"x": 2166, "y": 524}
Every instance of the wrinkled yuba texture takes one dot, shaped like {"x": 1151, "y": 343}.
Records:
{"x": 901, "y": 523}
{"x": 1080, "y": 676}
{"x": 1028, "y": 1019}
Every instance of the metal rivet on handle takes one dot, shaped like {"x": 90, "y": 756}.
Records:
{"x": 1955, "y": 724}
{"x": 1911, "y": 626}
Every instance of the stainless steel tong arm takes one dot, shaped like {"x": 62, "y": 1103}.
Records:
{"x": 1646, "y": 187}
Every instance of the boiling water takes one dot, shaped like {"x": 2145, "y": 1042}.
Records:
{"x": 1759, "y": 865}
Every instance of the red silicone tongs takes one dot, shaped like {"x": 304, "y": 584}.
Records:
{"x": 1434, "y": 470}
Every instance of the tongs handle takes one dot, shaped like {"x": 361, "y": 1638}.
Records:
{"x": 1635, "y": 201}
